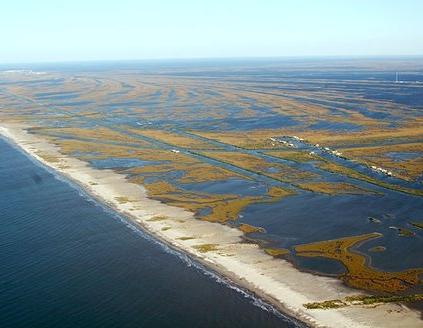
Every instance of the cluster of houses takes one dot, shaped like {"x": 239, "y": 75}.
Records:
{"x": 325, "y": 149}
{"x": 330, "y": 151}
{"x": 381, "y": 170}
{"x": 141, "y": 124}
{"x": 339, "y": 154}
{"x": 286, "y": 143}
{"x": 289, "y": 144}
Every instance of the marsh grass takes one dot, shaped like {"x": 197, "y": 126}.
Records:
{"x": 205, "y": 248}
{"x": 158, "y": 218}
{"x": 246, "y": 228}
{"x": 358, "y": 274}
{"x": 276, "y": 252}
{"x": 185, "y": 238}
{"x": 333, "y": 188}
{"x": 363, "y": 300}
{"x": 122, "y": 199}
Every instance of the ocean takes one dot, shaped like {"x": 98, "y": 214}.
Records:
{"x": 67, "y": 261}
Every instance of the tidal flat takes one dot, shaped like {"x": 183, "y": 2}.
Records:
{"x": 292, "y": 158}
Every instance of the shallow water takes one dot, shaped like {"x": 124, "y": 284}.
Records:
{"x": 110, "y": 163}
{"x": 68, "y": 262}
{"x": 399, "y": 156}
{"x": 310, "y": 217}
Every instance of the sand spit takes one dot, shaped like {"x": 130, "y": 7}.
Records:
{"x": 217, "y": 246}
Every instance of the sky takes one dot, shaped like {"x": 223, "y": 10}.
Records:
{"x": 78, "y": 30}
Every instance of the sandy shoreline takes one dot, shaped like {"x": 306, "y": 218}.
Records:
{"x": 274, "y": 280}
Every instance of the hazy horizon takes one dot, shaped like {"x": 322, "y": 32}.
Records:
{"x": 51, "y": 31}
{"x": 210, "y": 60}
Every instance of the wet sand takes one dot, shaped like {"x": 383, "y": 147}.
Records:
{"x": 218, "y": 247}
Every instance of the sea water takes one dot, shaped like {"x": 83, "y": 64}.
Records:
{"x": 67, "y": 261}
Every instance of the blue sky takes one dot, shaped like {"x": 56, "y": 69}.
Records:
{"x": 47, "y": 30}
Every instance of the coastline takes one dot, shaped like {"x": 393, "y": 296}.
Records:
{"x": 274, "y": 280}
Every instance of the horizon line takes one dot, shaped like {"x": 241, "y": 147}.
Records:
{"x": 176, "y": 59}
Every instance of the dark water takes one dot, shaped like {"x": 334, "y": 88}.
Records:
{"x": 68, "y": 262}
